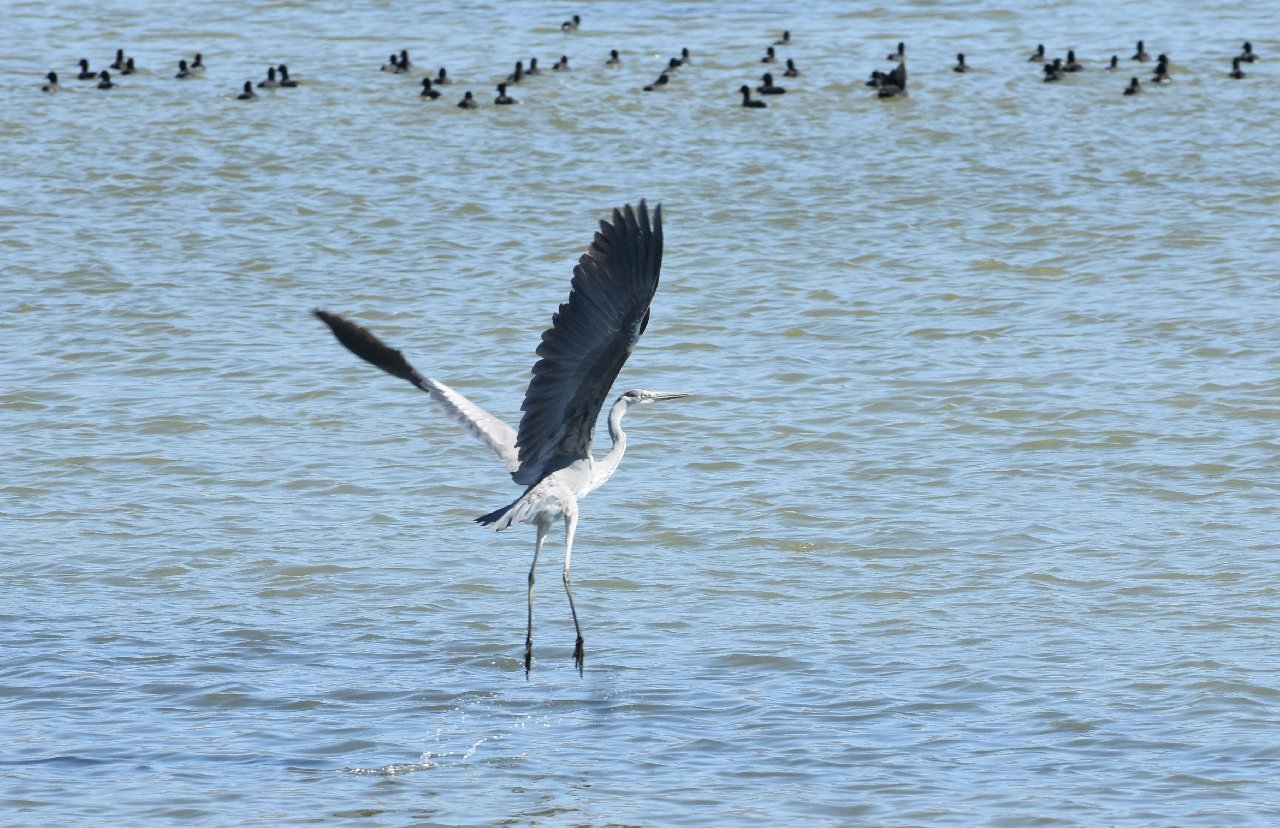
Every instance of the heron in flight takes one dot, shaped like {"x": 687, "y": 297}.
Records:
{"x": 580, "y": 356}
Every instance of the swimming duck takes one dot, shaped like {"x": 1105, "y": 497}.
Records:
{"x": 1115, "y": 62}
{"x": 960, "y": 64}
{"x": 533, "y": 67}
{"x": 613, "y": 60}
{"x": 442, "y": 77}
{"x": 270, "y": 82}
{"x": 877, "y": 79}
{"x": 571, "y": 25}
{"x": 899, "y": 55}
{"x": 685, "y": 60}
{"x": 128, "y": 67}
{"x": 85, "y": 73}
{"x": 1072, "y": 65}
{"x": 746, "y": 98}
{"x": 894, "y": 84}
{"x": 118, "y": 63}
{"x": 427, "y": 91}
{"x": 1053, "y": 71}
{"x": 658, "y": 84}
{"x": 561, "y": 65}
{"x": 1236, "y": 72}
{"x": 104, "y": 80}
{"x": 1038, "y": 55}
{"x": 1247, "y": 56}
{"x": 183, "y": 71}
{"x": 792, "y": 71}
{"x": 286, "y": 82}
{"x": 392, "y": 64}
{"x": 247, "y": 94}
{"x": 515, "y": 76}
{"x": 503, "y": 98}
{"x": 1141, "y": 52}
{"x": 1162, "y": 69}
{"x": 785, "y": 40}
{"x": 468, "y": 102}
{"x": 767, "y": 87}
{"x": 1133, "y": 88}
{"x": 52, "y": 85}
{"x": 197, "y": 65}
{"x": 769, "y": 56}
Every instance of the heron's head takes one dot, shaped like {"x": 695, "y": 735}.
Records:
{"x": 640, "y": 395}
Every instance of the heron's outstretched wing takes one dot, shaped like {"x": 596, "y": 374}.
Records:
{"x": 590, "y": 338}
{"x": 496, "y": 434}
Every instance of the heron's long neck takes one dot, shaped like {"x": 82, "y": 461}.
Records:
{"x": 607, "y": 465}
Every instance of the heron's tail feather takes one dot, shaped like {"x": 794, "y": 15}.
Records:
{"x": 495, "y": 517}
{"x": 368, "y": 347}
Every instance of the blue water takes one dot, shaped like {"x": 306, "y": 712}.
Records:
{"x": 971, "y": 517}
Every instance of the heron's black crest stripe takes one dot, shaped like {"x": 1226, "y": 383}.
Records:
{"x": 368, "y": 347}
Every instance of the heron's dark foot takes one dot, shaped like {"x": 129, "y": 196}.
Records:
{"x": 577, "y": 655}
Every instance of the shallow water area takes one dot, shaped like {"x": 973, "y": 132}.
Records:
{"x": 971, "y": 517}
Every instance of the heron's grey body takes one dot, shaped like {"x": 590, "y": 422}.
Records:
{"x": 582, "y": 352}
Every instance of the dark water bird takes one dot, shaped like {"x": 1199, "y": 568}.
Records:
{"x": 85, "y": 72}
{"x": 561, "y": 65}
{"x": 1038, "y": 55}
{"x": 442, "y": 77}
{"x": 104, "y": 80}
{"x": 685, "y": 58}
{"x": 785, "y": 40}
{"x": 533, "y": 67}
{"x": 894, "y": 84}
{"x": 1133, "y": 88}
{"x": 52, "y": 85}
{"x": 392, "y": 64}
{"x": 613, "y": 60}
{"x": 1072, "y": 65}
{"x": 468, "y": 102}
{"x": 184, "y": 71}
{"x": 1115, "y": 63}
{"x": 270, "y": 82}
{"x": 247, "y": 94}
{"x": 1247, "y": 56}
{"x": 747, "y": 100}
{"x": 960, "y": 64}
{"x": 518, "y": 74}
{"x": 129, "y": 68}
{"x": 572, "y": 24}
{"x": 427, "y": 91}
{"x": 769, "y": 56}
{"x": 405, "y": 65}
{"x": 1140, "y": 53}
{"x": 503, "y": 98}
{"x": 286, "y": 82}
{"x": 792, "y": 71}
{"x": 590, "y": 339}
{"x": 118, "y": 63}
{"x": 662, "y": 81}
{"x": 197, "y": 65}
{"x": 767, "y": 86}
{"x": 1162, "y": 69}
{"x": 899, "y": 55}
{"x": 877, "y": 79}
{"x": 1053, "y": 71}
{"x": 1236, "y": 72}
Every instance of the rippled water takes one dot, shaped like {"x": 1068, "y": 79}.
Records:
{"x": 972, "y": 518}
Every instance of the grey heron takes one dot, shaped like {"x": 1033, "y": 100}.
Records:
{"x": 580, "y": 356}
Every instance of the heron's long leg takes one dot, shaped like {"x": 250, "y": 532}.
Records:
{"x": 528, "y": 636}
{"x": 570, "y": 526}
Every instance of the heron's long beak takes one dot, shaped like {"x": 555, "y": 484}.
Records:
{"x": 668, "y": 395}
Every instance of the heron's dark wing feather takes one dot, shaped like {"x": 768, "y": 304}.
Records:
{"x": 590, "y": 338}
{"x": 490, "y": 430}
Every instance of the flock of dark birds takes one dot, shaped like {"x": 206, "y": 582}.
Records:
{"x": 890, "y": 84}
